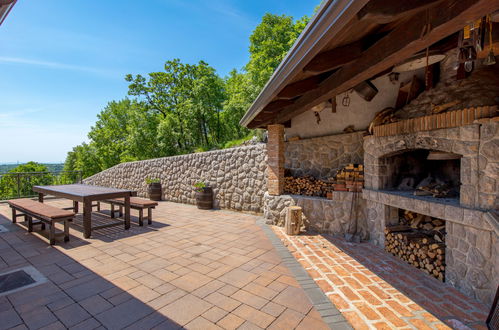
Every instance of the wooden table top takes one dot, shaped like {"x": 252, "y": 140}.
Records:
{"x": 82, "y": 191}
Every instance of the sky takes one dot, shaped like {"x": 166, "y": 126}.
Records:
{"x": 62, "y": 61}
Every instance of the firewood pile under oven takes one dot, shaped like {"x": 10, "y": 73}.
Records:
{"x": 419, "y": 240}
{"x": 349, "y": 178}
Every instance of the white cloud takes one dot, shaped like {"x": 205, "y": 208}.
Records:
{"x": 55, "y": 65}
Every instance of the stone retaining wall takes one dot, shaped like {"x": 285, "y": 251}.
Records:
{"x": 237, "y": 175}
{"x": 332, "y": 216}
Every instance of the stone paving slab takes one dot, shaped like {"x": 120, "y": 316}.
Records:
{"x": 374, "y": 290}
{"x": 191, "y": 269}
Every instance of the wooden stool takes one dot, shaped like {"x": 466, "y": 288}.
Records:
{"x": 294, "y": 220}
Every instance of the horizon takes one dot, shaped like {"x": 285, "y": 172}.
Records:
{"x": 59, "y": 71}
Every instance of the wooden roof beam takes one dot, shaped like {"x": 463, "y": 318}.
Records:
{"x": 334, "y": 58}
{"x": 386, "y": 11}
{"x": 299, "y": 88}
{"x": 446, "y": 18}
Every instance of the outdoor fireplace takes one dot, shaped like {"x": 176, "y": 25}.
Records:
{"x": 424, "y": 173}
{"x": 394, "y": 165}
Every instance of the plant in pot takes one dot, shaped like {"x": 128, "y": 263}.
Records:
{"x": 204, "y": 196}
{"x": 154, "y": 189}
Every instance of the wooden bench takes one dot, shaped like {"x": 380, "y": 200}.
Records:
{"x": 46, "y": 214}
{"x": 136, "y": 203}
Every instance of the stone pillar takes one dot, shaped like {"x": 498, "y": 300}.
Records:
{"x": 275, "y": 159}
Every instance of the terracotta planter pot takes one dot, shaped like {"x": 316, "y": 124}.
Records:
{"x": 154, "y": 191}
{"x": 204, "y": 198}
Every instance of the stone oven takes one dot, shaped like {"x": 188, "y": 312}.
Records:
{"x": 395, "y": 164}
{"x": 424, "y": 173}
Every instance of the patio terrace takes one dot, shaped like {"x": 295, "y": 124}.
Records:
{"x": 193, "y": 269}
{"x": 218, "y": 269}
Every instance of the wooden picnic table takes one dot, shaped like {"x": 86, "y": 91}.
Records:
{"x": 87, "y": 194}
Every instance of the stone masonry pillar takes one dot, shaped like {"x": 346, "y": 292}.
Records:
{"x": 275, "y": 159}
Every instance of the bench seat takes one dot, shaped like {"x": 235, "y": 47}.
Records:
{"x": 136, "y": 203}
{"x": 47, "y": 214}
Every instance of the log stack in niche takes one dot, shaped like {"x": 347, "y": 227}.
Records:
{"x": 349, "y": 178}
{"x": 419, "y": 240}
{"x": 307, "y": 186}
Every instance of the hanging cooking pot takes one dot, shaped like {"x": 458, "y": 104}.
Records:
{"x": 366, "y": 90}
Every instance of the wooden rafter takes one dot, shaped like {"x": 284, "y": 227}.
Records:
{"x": 446, "y": 18}
{"x": 299, "y": 88}
{"x": 334, "y": 58}
{"x": 386, "y": 11}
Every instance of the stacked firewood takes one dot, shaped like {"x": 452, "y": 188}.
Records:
{"x": 419, "y": 240}
{"x": 307, "y": 186}
{"x": 349, "y": 178}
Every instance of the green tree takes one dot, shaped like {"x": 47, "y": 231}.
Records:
{"x": 189, "y": 99}
{"x": 239, "y": 91}
{"x": 269, "y": 44}
{"x": 83, "y": 158}
{"x": 18, "y": 182}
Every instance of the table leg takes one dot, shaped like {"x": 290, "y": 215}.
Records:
{"x": 75, "y": 206}
{"x": 127, "y": 212}
{"x": 40, "y": 197}
{"x": 87, "y": 219}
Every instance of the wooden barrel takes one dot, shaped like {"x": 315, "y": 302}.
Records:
{"x": 204, "y": 198}
{"x": 154, "y": 191}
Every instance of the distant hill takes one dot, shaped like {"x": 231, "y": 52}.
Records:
{"x": 52, "y": 167}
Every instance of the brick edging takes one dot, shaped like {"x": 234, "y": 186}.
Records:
{"x": 330, "y": 314}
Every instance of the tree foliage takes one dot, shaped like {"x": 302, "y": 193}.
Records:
{"x": 19, "y": 180}
{"x": 186, "y": 107}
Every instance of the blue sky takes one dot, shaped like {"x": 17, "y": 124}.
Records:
{"x": 61, "y": 61}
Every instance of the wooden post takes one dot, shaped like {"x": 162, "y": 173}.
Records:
{"x": 294, "y": 220}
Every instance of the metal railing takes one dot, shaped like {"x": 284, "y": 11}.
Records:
{"x": 20, "y": 184}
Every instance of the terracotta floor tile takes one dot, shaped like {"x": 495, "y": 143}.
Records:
{"x": 230, "y": 322}
{"x": 201, "y": 323}
{"x": 214, "y": 314}
{"x": 224, "y": 302}
{"x": 311, "y": 323}
{"x": 191, "y": 281}
{"x": 253, "y": 315}
{"x": 295, "y": 299}
{"x": 273, "y": 309}
{"x": 289, "y": 319}
{"x": 185, "y": 309}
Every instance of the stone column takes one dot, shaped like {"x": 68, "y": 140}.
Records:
{"x": 275, "y": 159}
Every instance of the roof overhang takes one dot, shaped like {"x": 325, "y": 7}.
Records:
{"x": 350, "y": 41}
{"x": 5, "y": 7}
{"x": 329, "y": 20}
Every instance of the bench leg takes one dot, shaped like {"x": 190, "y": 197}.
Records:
{"x": 98, "y": 206}
{"x": 52, "y": 232}
{"x": 141, "y": 217}
{"x": 30, "y": 223}
{"x": 14, "y": 215}
{"x": 75, "y": 207}
{"x": 121, "y": 211}
{"x": 112, "y": 210}
{"x": 66, "y": 230}
{"x": 149, "y": 216}
{"x": 43, "y": 225}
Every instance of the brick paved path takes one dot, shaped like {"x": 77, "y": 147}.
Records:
{"x": 191, "y": 268}
{"x": 374, "y": 290}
